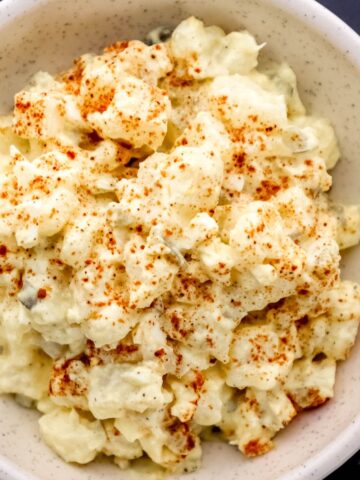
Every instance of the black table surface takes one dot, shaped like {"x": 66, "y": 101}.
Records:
{"x": 348, "y": 10}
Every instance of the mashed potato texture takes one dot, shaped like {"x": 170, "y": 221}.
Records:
{"x": 169, "y": 254}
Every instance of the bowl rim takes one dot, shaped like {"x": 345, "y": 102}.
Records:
{"x": 321, "y": 20}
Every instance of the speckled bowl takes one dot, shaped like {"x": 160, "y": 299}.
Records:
{"x": 325, "y": 53}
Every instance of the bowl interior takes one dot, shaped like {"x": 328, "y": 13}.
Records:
{"x": 48, "y": 35}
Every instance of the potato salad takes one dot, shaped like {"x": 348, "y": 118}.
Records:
{"x": 169, "y": 254}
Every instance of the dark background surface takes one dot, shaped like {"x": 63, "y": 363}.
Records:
{"x": 349, "y": 11}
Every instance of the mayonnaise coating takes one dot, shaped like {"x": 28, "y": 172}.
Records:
{"x": 169, "y": 255}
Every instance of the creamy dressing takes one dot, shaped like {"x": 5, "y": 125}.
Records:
{"x": 169, "y": 255}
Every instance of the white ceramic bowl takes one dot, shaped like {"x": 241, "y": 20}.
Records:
{"x": 325, "y": 53}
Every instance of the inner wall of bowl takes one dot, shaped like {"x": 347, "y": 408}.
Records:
{"x": 49, "y": 37}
